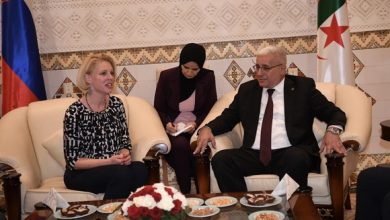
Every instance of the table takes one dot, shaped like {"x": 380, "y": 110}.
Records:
{"x": 385, "y": 125}
{"x": 300, "y": 207}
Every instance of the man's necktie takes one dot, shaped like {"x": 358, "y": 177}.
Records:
{"x": 266, "y": 130}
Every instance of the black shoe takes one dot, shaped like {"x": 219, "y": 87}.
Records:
{"x": 305, "y": 189}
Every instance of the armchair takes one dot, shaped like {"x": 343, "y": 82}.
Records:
{"x": 31, "y": 142}
{"x": 330, "y": 187}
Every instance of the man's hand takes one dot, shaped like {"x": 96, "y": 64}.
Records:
{"x": 204, "y": 137}
{"x": 332, "y": 142}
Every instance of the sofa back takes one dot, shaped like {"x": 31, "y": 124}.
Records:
{"x": 329, "y": 91}
{"x": 45, "y": 121}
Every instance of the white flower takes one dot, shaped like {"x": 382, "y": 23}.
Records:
{"x": 182, "y": 198}
{"x": 166, "y": 203}
{"x": 145, "y": 201}
{"x": 126, "y": 205}
{"x": 174, "y": 190}
{"x": 159, "y": 185}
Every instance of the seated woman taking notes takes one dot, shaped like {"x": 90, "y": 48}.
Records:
{"x": 184, "y": 96}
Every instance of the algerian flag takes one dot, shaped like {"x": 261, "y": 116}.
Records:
{"x": 334, "y": 52}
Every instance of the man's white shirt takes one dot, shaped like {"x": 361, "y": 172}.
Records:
{"x": 279, "y": 137}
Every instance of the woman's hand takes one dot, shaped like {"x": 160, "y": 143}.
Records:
{"x": 123, "y": 158}
{"x": 170, "y": 128}
{"x": 126, "y": 156}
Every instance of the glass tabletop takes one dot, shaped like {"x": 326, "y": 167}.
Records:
{"x": 301, "y": 203}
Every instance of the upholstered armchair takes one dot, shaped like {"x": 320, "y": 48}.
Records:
{"x": 31, "y": 142}
{"x": 331, "y": 186}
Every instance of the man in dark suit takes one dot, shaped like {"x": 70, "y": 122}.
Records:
{"x": 293, "y": 146}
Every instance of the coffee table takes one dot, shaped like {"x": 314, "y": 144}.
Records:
{"x": 299, "y": 207}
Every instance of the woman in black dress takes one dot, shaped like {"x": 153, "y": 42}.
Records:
{"x": 97, "y": 146}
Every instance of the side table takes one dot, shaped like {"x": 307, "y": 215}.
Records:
{"x": 385, "y": 125}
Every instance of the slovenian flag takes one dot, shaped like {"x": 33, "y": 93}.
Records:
{"x": 334, "y": 52}
{"x": 21, "y": 66}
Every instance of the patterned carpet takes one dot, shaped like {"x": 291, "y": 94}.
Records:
{"x": 350, "y": 214}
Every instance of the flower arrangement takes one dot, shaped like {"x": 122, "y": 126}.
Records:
{"x": 155, "y": 201}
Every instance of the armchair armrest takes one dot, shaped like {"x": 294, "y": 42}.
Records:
{"x": 228, "y": 140}
{"x": 202, "y": 170}
{"x": 11, "y": 187}
{"x": 16, "y": 147}
{"x": 17, "y": 153}
{"x": 147, "y": 134}
{"x": 145, "y": 128}
{"x": 357, "y": 106}
{"x": 340, "y": 168}
{"x": 335, "y": 173}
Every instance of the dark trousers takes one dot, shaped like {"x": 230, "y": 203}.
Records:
{"x": 231, "y": 166}
{"x": 115, "y": 181}
{"x": 181, "y": 159}
{"x": 373, "y": 194}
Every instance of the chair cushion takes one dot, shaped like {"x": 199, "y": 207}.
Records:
{"x": 55, "y": 145}
{"x": 44, "y": 119}
{"x": 39, "y": 194}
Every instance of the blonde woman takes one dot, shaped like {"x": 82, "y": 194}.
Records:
{"x": 97, "y": 146}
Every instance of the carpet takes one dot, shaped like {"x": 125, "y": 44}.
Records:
{"x": 350, "y": 214}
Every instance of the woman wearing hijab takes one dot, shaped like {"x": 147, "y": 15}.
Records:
{"x": 184, "y": 96}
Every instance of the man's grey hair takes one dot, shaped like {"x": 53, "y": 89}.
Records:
{"x": 274, "y": 50}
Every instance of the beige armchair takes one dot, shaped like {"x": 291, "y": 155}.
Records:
{"x": 330, "y": 187}
{"x": 31, "y": 142}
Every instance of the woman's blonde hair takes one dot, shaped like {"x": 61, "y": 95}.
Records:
{"x": 89, "y": 65}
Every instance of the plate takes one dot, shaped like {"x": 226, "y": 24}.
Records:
{"x": 221, "y": 201}
{"x": 197, "y": 211}
{"x": 193, "y": 201}
{"x": 116, "y": 216}
{"x": 91, "y": 208}
{"x": 277, "y": 200}
{"x": 253, "y": 215}
{"x": 109, "y": 207}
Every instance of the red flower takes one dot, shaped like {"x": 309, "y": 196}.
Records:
{"x": 156, "y": 196}
{"x": 175, "y": 210}
{"x": 133, "y": 212}
{"x": 144, "y": 211}
{"x": 148, "y": 189}
{"x": 156, "y": 213}
{"x": 169, "y": 191}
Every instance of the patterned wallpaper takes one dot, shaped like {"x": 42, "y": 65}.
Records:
{"x": 215, "y": 50}
{"x": 78, "y": 25}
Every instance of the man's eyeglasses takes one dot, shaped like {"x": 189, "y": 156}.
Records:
{"x": 264, "y": 68}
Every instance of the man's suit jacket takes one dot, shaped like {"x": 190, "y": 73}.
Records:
{"x": 303, "y": 102}
{"x": 167, "y": 97}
